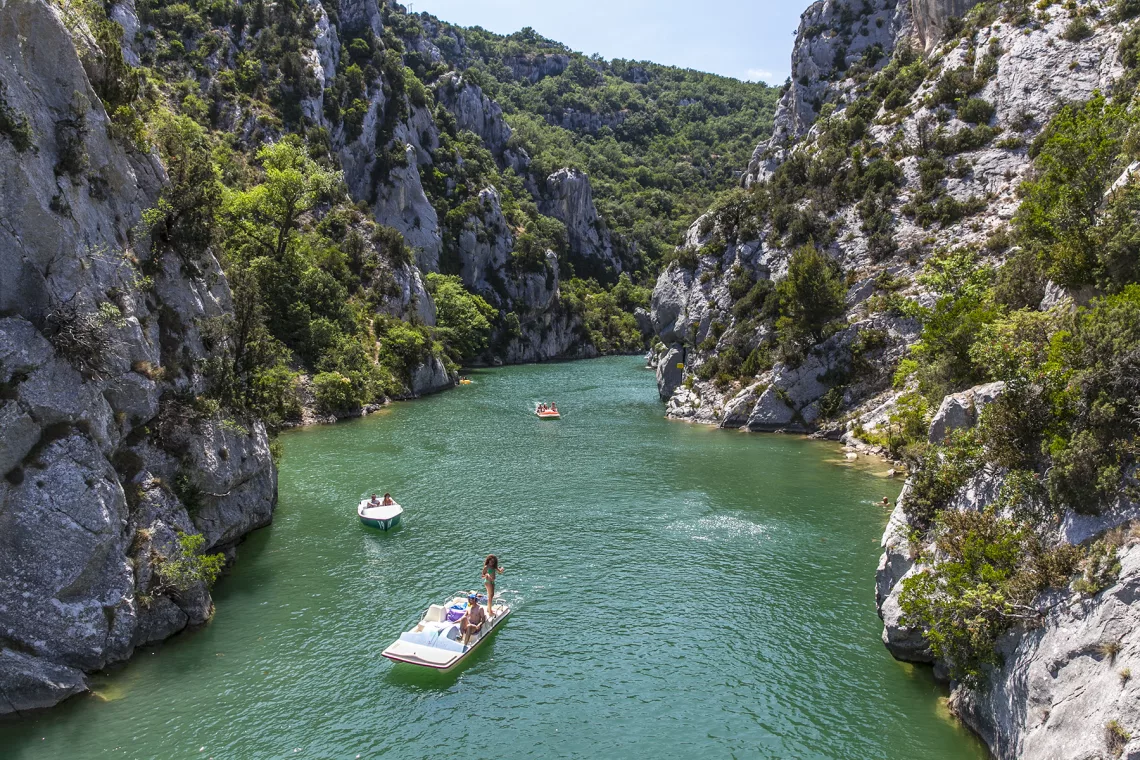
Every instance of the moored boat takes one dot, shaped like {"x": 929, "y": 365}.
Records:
{"x": 383, "y": 516}
{"x": 435, "y": 641}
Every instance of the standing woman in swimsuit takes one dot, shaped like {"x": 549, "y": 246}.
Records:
{"x": 490, "y": 570}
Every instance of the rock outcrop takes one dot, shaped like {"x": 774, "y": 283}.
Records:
{"x": 401, "y": 203}
{"x": 960, "y": 411}
{"x": 477, "y": 113}
{"x": 102, "y": 454}
{"x": 567, "y": 197}
{"x": 1062, "y": 683}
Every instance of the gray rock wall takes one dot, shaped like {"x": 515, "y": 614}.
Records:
{"x": 567, "y": 197}
{"x": 95, "y": 439}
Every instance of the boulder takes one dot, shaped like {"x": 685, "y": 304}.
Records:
{"x": 29, "y": 683}
{"x": 670, "y": 371}
{"x": 959, "y": 411}
{"x": 430, "y": 377}
{"x": 771, "y": 412}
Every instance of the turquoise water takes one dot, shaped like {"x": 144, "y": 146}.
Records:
{"x": 679, "y": 591}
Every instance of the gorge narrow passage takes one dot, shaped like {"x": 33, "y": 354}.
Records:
{"x": 680, "y": 591}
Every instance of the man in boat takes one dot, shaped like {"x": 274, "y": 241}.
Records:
{"x": 387, "y": 500}
{"x": 553, "y": 407}
{"x": 473, "y": 619}
{"x": 373, "y": 502}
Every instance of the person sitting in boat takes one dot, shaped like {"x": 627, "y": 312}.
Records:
{"x": 473, "y": 619}
{"x": 553, "y": 407}
{"x": 387, "y": 500}
{"x": 374, "y": 502}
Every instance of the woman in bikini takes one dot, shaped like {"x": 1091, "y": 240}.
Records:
{"x": 490, "y": 570}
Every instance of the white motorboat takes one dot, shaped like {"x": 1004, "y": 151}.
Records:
{"x": 435, "y": 642}
{"x": 382, "y": 516}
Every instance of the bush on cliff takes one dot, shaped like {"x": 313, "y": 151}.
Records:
{"x": 463, "y": 319}
{"x": 1060, "y": 218}
{"x": 811, "y": 298}
{"x": 989, "y": 572}
{"x": 186, "y": 566}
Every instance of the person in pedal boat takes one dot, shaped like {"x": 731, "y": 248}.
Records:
{"x": 373, "y": 502}
{"x": 490, "y": 570}
{"x": 387, "y": 500}
{"x": 473, "y": 619}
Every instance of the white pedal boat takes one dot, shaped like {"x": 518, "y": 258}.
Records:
{"x": 435, "y": 642}
{"x": 383, "y": 516}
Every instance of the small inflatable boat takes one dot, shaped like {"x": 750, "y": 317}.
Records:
{"x": 383, "y": 516}
{"x": 435, "y": 642}
{"x": 547, "y": 414}
{"x": 464, "y": 381}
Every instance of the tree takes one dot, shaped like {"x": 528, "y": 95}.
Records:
{"x": 811, "y": 297}
{"x": 184, "y": 217}
{"x": 463, "y": 319}
{"x": 263, "y": 221}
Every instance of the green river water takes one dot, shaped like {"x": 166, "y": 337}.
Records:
{"x": 679, "y": 591}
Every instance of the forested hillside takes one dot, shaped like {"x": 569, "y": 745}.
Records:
{"x": 344, "y": 161}
{"x": 657, "y": 141}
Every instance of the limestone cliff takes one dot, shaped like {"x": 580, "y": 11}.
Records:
{"x": 1061, "y": 679}
{"x": 693, "y": 307}
{"x": 385, "y": 164}
{"x": 105, "y": 456}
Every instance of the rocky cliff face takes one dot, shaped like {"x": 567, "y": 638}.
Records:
{"x": 105, "y": 460}
{"x": 396, "y": 127}
{"x": 1020, "y": 82}
{"x": 1061, "y": 680}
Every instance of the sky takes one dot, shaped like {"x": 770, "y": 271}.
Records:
{"x": 745, "y": 39}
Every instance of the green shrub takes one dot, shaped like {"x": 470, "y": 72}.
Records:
{"x": 333, "y": 392}
{"x": 1075, "y": 158}
{"x": 976, "y": 111}
{"x": 186, "y": 567}
{"x": 937, "y": 474}
{"x": 14, "y": 125}
{"x": 1099, "y": 569}
{"x": 1127, "y": 9}
{"x": 989, "y": 573}
{"x": 811, "y": 297}
{"x": 1077, "y": 30}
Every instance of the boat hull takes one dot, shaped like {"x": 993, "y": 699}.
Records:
{"x": 548, "y": 416}
{"x": 381, "y": 524}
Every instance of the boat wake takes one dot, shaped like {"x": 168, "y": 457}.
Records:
{"x": 716, "y": 527}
